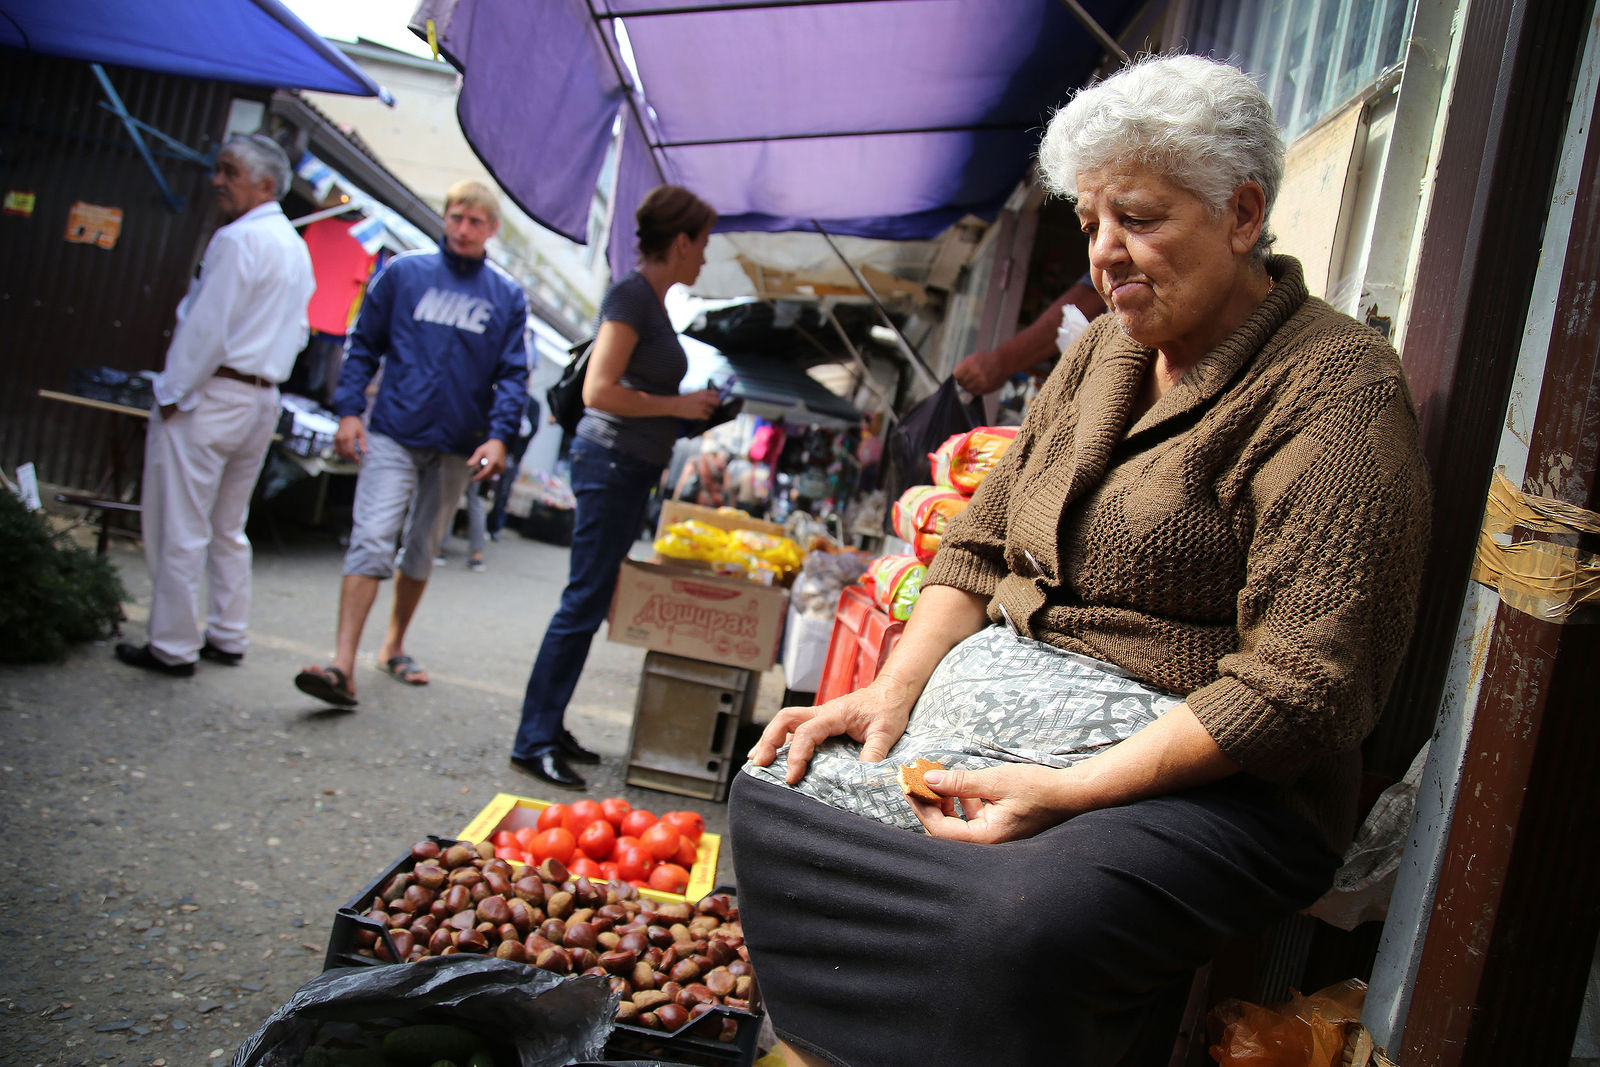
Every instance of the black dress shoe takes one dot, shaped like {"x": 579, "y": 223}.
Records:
{"x": 217, "y": 655}
{"x": 551, "y": 766}
{"x": 573, "y": 751}
{"x": 141, "y": 656}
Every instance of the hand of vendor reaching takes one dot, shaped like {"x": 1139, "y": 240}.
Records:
{"x": 350, "y": 442}
{"x": 875, "y": 716}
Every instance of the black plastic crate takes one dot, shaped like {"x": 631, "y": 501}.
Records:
{"x": 545, "y": 523}
{"x": 342, "y": 946}
{"x": 694, "y": 1044}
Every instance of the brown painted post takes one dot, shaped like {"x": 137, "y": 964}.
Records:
{"x": 1517, "y": 911}
{"x": 1474, "y": 277}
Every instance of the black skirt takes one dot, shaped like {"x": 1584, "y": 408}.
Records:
{"x": 875, "y": 945}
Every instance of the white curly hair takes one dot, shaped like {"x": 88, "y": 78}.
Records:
{"x": 1203, "y": 124}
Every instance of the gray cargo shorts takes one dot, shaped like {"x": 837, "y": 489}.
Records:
{"x": 397, "y": 487}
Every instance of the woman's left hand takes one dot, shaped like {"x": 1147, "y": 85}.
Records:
{"x": 1004, "y": 803}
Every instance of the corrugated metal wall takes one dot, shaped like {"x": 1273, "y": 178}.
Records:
{"x": 65, "y": 304}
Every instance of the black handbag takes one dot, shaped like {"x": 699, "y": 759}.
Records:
{"x": 565, "y": 398}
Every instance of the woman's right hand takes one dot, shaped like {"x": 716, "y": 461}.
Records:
{"x": 875, "y": 716}
{"x": 697, "y": 405}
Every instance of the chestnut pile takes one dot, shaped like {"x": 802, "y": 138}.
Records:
{"x": 671, "y": 963}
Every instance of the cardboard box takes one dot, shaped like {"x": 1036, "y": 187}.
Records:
{"x": 678, "y": 511}
{"x": 805, "y": 650}
{"x": 507, "y": 811}
{"x": 683, "y": 612}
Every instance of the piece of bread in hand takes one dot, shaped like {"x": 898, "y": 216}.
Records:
{"x": 911, "y": 779}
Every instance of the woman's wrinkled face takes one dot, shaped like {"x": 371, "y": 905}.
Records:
{"x": 1167, "y": 269}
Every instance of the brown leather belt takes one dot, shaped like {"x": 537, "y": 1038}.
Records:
{"x": 248, "y": 379}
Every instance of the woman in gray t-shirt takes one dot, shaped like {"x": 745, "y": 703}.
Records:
{"x": 630, "y": 421}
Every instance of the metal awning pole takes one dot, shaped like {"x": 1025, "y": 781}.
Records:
{"x": 905, "y": 342}
{"x": 886, "y": 404}
{"x": 1097, "y": 31}
{"x": 173, "y": 201}
{"x": 325, "y": 213}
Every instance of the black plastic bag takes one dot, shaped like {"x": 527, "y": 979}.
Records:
{"x": 540, "y": 1018}
{"x": 923, "y": 427}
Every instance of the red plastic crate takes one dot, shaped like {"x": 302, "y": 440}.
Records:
{"x": 863, "y": 635}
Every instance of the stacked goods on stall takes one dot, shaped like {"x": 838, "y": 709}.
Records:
{"x": 921, "y": 514}
{"x": 751, "y": 554}
{"x": 965, "y": 458}
{"x": 894, "y": 582}
{"x": 959, "y": 466}
{"x": 542, "y": 506}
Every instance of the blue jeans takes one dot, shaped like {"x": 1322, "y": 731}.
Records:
{"x": 612, "y": 489}
{"x": 503, "y": 484}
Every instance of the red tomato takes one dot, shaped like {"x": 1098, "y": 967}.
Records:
{"x": 669, "y": 878}
{"x": 614, "y": 808}
{"x": 608, "y": 870}
{"x": 624, "y": 841}
{"x": 525, "y": 837}
{"x": 634, "y": 863}
{"x": 553, "y": 816}
{"x": 585, "y": 868}
{"x": 598, "y": 839}
{"x": 690, "y": 824}
{"x": 636, "y": 822}
{"x": 512, "y": 855}
{"x": 577, "y": 854}
{"x": 662, "y": 841}
{"x": 581, "y": 814}
{"x": 687, "y": 851}
{"x": 555, "y": 843}
{"x": 503, "y": 839}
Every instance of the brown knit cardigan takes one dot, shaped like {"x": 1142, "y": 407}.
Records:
{"x": 1254, "y": 542}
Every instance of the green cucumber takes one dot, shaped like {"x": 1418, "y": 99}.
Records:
{"x": 426, "y": 1043}
{"x": 361, "y": 1057}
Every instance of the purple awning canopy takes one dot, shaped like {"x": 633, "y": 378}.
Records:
{"x": 884, "y": 118}
{"x": 252, "y": 42}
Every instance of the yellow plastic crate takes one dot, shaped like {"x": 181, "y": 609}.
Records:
{"x": 507, "y": 811}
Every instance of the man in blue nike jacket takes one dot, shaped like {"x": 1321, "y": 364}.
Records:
{"x": 449, "y": 331}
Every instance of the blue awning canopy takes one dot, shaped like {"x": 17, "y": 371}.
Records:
{"x": 891, "y": 119}
{"x": 252, "y": 42}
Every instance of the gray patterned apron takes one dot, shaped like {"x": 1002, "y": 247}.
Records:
{"x": 995, "y": 698}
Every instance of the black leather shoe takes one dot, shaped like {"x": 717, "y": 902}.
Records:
{"x": 217, "y": 655}
{"x": 551, "y": 766}
{"x": 573, "y": 751}
{"x": 141, "y": 656}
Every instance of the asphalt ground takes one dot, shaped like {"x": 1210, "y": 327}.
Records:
{"x": 180, "y": 846}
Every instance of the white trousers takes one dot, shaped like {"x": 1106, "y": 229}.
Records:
{"x": 200, "y": 469}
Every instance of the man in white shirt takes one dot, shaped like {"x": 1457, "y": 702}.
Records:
{"x": 239, "y": 329}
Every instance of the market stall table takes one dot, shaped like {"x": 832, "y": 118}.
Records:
{"x": 321, "y": 467}
{"x": 109, "y": 495}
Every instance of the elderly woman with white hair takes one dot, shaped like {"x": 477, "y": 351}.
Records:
{"x": 1146, "y": 654}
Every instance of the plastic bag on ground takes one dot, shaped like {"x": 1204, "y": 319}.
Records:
{"x": 540, "y": 1018}
{"x": 1305, "y": 1032}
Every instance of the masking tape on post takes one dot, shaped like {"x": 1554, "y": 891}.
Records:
{"x": 1548, "y": 581}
